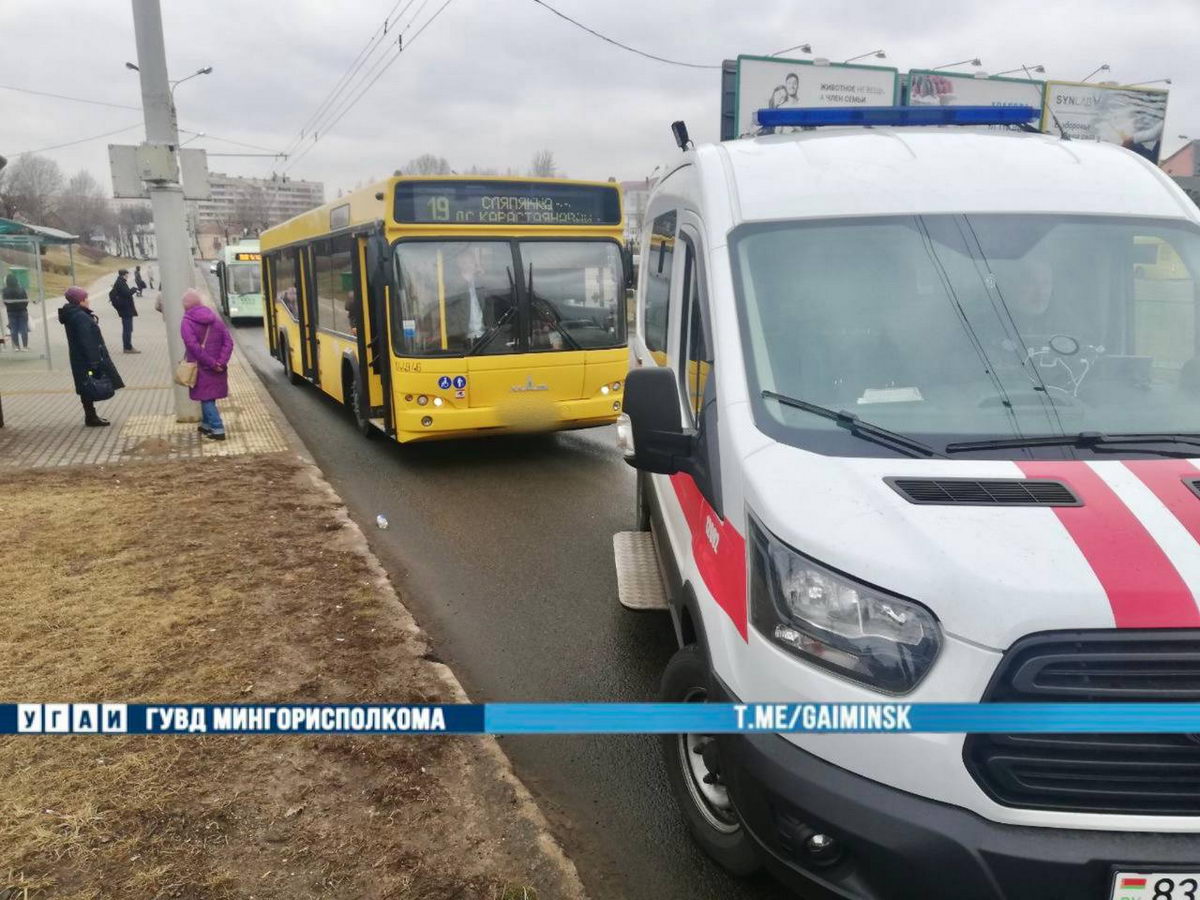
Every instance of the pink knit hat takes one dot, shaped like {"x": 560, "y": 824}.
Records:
{"x": 75, "y": 294}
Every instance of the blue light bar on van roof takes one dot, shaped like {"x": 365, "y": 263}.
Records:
{"x": 897, "y": 115}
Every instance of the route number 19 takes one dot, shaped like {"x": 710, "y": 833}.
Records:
{"x": 439, "y": 209}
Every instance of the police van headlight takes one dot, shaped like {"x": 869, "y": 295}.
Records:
{"x": 835, "y": 622}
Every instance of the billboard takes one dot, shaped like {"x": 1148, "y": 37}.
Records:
{"x": 930, "y": 88}
{"x": 1130, "y": 116}
{"x": 768, "y": 82}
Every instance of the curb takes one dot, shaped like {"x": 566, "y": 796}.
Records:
{"x": 570, "y": 886}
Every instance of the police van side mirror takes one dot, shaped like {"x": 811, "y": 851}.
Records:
{"x": 651, "y": 431}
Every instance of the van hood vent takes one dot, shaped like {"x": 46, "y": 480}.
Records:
{"x": 984, "y": 491}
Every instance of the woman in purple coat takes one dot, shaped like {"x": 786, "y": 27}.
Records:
{"x": 210, "y": 346}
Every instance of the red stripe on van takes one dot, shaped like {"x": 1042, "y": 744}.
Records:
{"x": 718, "y": 549}
{"x": 1165, "y": 477}
{"x": 1144, "y": 589}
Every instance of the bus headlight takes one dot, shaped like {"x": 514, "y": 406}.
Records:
{"x": 604, "y": 389}
{"x": 616, "y": 386}
{"x": 422, "y": 400}
{"x": 438, "y": 401}
{"x": 833, "y": 621}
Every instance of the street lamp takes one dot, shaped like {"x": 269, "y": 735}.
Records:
{"x": 878, "y": 54}
{"x": 207, "y": 70}
{"x": 1155, "y": 81}
{"x": 1041, "y": 70}
{"x": 962, "y": 62}
{"x": 803, "y": 48}
{"x": 1103, "y": 68}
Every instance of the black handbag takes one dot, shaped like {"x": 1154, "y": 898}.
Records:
{"x": 97, "y": 387}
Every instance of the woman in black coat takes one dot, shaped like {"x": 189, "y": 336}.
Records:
{"x": 89, "y": 356}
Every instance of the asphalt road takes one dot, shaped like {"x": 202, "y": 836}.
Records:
{"x": 502, "y": 549}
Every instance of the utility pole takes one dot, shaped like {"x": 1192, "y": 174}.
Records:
{"x": 175, "y": 267}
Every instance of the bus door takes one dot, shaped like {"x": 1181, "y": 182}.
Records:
{"x": 269, "y": 292}
{"x": 371, "y": 325}
{"x": 308, "y": 317}
{"x": 223, "y": 287}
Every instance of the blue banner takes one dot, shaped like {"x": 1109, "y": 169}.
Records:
{"x": 596, "y": 718}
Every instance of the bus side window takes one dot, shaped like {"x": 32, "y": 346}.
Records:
{"x": 283, "y": 279}
{"x": 658, "y": 285}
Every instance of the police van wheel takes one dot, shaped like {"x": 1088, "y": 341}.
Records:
{"x": 694, "y": 772}
{"x": 643, "y": 502}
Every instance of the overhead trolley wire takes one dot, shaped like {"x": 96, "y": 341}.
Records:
{"x": 313, "y": 122}
{"x": 616, "y": 43}
{"x": 379, "y": 72}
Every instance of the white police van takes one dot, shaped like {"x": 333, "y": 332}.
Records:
{"x": 916, "y": 413}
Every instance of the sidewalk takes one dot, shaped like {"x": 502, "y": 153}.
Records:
{"x": 214, "y": 581}
{"x": 44, "y": 420}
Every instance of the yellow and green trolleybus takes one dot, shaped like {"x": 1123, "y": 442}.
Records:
{"x": 446, "y": 306}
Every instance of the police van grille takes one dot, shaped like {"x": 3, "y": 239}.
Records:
{"x": 985, "y": 491}
{"x": 1155, "y": 774}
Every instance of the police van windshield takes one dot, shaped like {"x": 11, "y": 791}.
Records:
{"x": 960, "y": 328}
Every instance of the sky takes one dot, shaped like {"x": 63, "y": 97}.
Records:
{"x": 491, "y": 82}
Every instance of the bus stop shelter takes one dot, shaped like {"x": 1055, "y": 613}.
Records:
{"x": 21, "y": 247}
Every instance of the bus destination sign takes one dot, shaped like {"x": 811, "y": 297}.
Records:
{"x": 506, "y": 203}
{"x": 247, "y": 257}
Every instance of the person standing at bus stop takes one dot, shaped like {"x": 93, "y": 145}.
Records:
{"x": 121, "y": 297}
{"x": 209, "y": 345}
{"x": 91, "y": 367}
{"x": 16, "y": 304}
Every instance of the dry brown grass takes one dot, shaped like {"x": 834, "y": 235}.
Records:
{"x": 56, "y": 268}
{"x": 215, "y": 581}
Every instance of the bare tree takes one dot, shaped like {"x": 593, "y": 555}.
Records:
{"x": 32, "y": 187}
{"x": 132, "y": 219}
{"x": 482, "y": 170}
{"x": 252, "y": 210}
{"x": 84, "y": 209}
{"x": 543, "y": 165}
{"x": 428, "y": 164}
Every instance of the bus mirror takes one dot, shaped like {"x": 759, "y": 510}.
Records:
{"x": 379, "y": 254}
{"x": 660, "y": 442}
{"x": 627, "y": 263}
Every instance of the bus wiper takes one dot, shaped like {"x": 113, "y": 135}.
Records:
{"x": 549, "y": 314}
{"x": 856, "y": 426}
{"x": 1096, "y": 440}
{"x": 491, "y": 332}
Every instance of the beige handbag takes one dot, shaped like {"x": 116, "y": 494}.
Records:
{"x": 186, "y": 372}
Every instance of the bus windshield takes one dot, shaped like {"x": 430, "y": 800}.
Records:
{"x": 973, "y": 327}
{"x": 506, "y": 296}
{"x": 244, "y": 279}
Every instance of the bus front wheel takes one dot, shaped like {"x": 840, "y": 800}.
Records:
{"x": 354, "y": 403}
{"x": 285, "y": 357}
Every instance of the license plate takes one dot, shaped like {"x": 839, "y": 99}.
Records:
{"x": 1156, "y": 886}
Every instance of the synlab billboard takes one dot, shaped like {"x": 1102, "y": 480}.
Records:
{"x": 1130, "y": 116}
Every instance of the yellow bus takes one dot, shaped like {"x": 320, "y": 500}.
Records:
{"x": 448, "y": 306}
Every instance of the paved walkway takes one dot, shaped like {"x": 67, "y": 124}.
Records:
{"x": 44, "y": 420}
